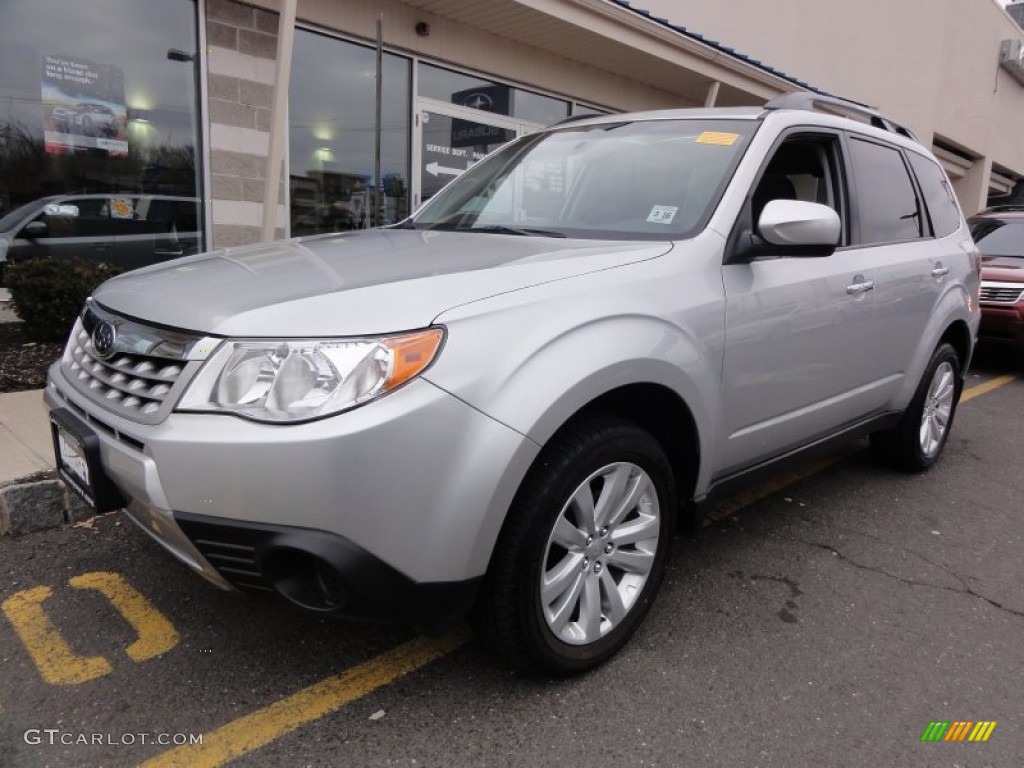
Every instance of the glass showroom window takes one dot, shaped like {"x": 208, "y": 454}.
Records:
{"x": 332, "y": 102}
{"x": 98, "y": 120}
{"x": 489, "y": 96}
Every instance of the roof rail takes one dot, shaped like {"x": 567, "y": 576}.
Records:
{"x": 577, "y": 118}
{"x": 808, "y": 100}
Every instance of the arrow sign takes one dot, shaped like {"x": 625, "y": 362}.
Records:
{"x": 434, "y": 169}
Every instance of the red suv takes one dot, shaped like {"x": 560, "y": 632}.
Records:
{"x": 999, "y": 233}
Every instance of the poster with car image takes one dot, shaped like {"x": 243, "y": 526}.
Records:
{"x": 83, "y": 106}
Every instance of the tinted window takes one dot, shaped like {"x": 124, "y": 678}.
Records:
{"x": 91, "y": 102}
{"x": 76, "y": 217}
{"x": 888, "y": 206}
{"x": 937, "y": 195}
{"x": 999, "y": 238}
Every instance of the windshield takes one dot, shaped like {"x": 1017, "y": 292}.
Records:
{"x": 13, "y": 218}
{"x": 648, "y": 180}
{"x": 995, "y": 237}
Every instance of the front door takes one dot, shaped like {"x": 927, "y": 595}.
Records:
{"x": 451, "y": 139}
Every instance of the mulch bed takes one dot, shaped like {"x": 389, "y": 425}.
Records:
{"x": 23, "y": 363}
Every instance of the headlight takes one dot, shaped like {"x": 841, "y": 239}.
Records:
{"x": 281, "y": 380}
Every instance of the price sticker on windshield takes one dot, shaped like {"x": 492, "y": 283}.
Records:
{"x": 662, "y": 214}
{"x": 716, "y": 137}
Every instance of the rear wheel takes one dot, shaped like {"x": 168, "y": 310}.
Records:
{"x": 915, "y": 444}
{"x": 583, "y": 551}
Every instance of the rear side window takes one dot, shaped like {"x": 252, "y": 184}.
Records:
{"x": 937, "y": 195}
{"x": 888, "y": 207}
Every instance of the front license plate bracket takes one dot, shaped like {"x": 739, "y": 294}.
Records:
{"x": 76, "y": 448}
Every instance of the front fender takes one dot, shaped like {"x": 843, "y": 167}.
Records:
{"x": 532, "y": 362}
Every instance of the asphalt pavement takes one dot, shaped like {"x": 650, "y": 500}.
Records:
{"x": 826, "y": 622}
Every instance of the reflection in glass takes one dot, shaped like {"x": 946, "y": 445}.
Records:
{"x": 88, "y": 105}
{"x": 657, "y": 179}
{"x": 331, "y": 134}
{"x": 451, "y": 146}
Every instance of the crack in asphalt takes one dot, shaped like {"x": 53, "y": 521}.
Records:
{"x": 966, "y": 588}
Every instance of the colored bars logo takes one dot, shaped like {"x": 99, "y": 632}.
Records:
{"x": 959, "y": 730}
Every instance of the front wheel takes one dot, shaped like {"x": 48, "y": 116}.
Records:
{"x": 915, "y": 444}
{"x": 583, "y": 551}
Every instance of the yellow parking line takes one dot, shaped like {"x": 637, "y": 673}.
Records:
{"x": 265, "y": 725}
{"x": 57, "y": 663}
{"x": 985, "y": 388}
{"x": 156, "y": 634}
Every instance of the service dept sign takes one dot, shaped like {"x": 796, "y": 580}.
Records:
{"x": 1011, "y": 58}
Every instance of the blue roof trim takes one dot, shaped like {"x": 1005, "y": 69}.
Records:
{"x": 719, "y": 46}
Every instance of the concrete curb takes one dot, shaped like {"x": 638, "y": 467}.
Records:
{"x": 38, "y": 502}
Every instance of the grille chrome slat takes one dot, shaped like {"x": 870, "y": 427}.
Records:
{"x": 1001, "y": 294}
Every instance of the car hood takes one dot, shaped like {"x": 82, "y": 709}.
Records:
{"x": 1007, "y": 269}
{"x": 378, "y": 281}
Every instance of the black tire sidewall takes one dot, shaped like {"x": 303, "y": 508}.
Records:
{"x": 914, "y": 455}
{"x": 589, "y": 449}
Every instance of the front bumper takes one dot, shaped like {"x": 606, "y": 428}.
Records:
{"x": 401, "y": 500}
{"x": 1002, "y": 323}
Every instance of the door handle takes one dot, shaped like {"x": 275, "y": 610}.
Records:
{"x": 862, "y": 287}
{"x": 101, "y": 247}
{"x": 940, "y": 270}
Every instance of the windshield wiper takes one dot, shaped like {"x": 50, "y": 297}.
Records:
{"x": 501, "y": 229}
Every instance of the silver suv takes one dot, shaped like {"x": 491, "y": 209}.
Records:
{"x": 506, "y": 404}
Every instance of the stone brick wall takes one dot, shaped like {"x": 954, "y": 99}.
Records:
{"x": 242, "y": 50}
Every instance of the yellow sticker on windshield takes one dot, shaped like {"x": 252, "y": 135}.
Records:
{"x": 714, "y": 137}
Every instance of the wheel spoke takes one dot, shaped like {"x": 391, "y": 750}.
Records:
{"x": 558, "y": 616}
{"x": 568, "y": 535}
{"x": 925, "y": 433}
{"x": 638, "y": 486}
{"x": 616, "y": 610}
{"x": 612, "y": 492}
{"x": 643, "y": 527}
{"x": 583, "y": 502}
{"x": 559, "y": 579}
{"x": 633, "y": 561}
{"x": 590, "y": 607}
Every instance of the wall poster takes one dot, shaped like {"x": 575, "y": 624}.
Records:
{"x": 83, "y": 106}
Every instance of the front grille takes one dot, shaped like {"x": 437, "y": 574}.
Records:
{"x": 1001, "y": 294}
{"x": 131, "y": 384}
{"x": 143, "y": 372}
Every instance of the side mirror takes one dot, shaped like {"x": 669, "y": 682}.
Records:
{"x": 810, "y": 229}
{"x": 35, "y": 229}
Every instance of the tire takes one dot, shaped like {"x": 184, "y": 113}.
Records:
{"x": 916, "y": 443}
{"x": 592, "y": 604}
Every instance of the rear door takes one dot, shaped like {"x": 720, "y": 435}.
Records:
{"x": 896, "y": 237}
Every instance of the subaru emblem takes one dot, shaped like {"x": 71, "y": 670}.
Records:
{"x": 103, "y": 337}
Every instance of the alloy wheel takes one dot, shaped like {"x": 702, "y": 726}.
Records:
{"x": 599, "y": 553}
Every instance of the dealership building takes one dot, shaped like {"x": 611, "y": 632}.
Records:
{"x": 349, "y": 112}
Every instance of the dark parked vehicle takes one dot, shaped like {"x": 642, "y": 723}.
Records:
{"x": 999, "y": 233}
{"x": 129, "y": 230}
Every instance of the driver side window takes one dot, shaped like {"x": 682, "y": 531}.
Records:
{"x": 806, "y": 168}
